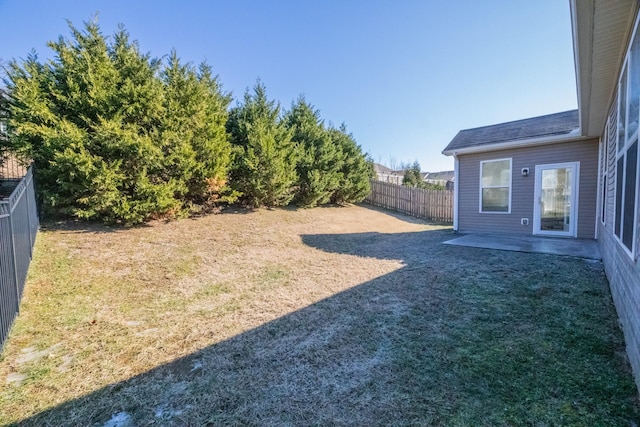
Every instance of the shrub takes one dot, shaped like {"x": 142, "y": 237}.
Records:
{"x": 357, "y": 169}
{"x": 112, "y": 135}
{"x": 264, "y": 168}
{"x": 320, "y": 163}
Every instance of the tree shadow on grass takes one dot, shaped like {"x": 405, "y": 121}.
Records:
{"x": 457, "y": 336}
{"x": 67, "y": 225}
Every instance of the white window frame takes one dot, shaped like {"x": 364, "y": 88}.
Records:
{"x": 496, "y": 186}
{"x": 574, "y": 201}
{"x": 621, "y": 153}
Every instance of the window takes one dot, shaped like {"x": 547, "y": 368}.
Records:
{"x": 622, "y": 109}
{"x": 609, "y": 139}
{"x": 495, "y": 186}
{"x": 626, "y": 188}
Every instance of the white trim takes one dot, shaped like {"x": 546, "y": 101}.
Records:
{"x": 576, "y": 209}
{"x": 600, "y": 188}
{"x": 576, "y": 56}
{"x": 574, "y": 201}
{"x": 633, "y": 253}
{"x": 603, "y": 176}
{"x": 622, "y": 151}
{"x": 456, "y": 189}
{"x": 603, "y": 207}
{"x": 498, "y": 186}
{"x": 615, "y": 196}
{"x": 623, "y": 71}
{"x": 636, "y": 223}
{"x": 573, "y": 136}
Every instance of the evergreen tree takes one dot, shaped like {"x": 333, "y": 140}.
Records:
{"x": 109, "y": 137}
{"x": 413, "y": 178}
{"x": 357, "y": 169}
{"x": 264, "y": 167}
{"x": 412, "y": 175}
{"x": 197, "y": 152}
{"x": 86, "y": 119}
{"x": 320, "y": 165}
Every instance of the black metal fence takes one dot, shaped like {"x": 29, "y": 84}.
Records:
{"x": 18, "y": 228}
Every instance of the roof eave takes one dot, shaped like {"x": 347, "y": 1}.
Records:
{"x": 600, "y": 30}
{"x": 577, "y": 56}
{"x": 523, "y": 143}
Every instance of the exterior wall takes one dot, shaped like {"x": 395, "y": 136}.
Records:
{"x": 522, "y": 187}
{"x": 624, "y": 280}
{"x": 393, "y": 178}
{"x": 622, "y": 271}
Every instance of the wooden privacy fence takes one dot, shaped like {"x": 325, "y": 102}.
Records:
{"x": 18, "y": 227}
{"x": 432, "y": 205}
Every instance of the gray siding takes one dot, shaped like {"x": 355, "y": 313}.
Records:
{"x": 622, "y": 271}
{"x": 522, "y": 190}
{"x": 624, "y": 280}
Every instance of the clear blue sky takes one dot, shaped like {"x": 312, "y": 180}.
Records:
{"x": 404, "y": 76}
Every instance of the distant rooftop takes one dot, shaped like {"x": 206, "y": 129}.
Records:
{"x": 442, "y": 175}
{"x": 378, "y": 168}
{"x": 381, "y": 168}
{"x": 552, "y": 124}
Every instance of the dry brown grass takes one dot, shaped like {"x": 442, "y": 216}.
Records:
{"x": 347, "y": 316}
{"x": 123, "y": 301}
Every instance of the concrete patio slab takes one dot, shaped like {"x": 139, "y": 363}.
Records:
{"x": 581, "y": 248}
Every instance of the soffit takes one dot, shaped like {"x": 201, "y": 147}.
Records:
{"x": 601, "y": 30}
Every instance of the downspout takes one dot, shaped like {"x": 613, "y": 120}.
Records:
{"x": 456, "y": 183}
{"x": 599, "y": 189}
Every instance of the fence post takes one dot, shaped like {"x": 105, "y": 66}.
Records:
{"x": 26, "y": 196}
{"x": 14, "y": 259}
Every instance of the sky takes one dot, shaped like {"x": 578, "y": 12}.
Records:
{"x": 404, "y": 76}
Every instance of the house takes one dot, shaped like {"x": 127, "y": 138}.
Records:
{"x": 386, "y": 174}
{"x": 572, "y": 174}
{"x": 3, "y": 118}
{"x": 532, "y": 176}
{"x": 444, "y": 179}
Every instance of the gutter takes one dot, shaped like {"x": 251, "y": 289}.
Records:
{"x": 456, "y": 183}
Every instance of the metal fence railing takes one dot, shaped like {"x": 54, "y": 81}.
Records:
{"x": 18, "y": 228}
{"x": 11, "y": 169}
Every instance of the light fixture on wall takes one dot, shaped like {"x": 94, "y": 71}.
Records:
{"x": 525, "y": 171}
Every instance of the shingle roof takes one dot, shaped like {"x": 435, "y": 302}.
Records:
{"x": 536, "y": 127}
{"x": 445, "y": 175}
{"x": 381, "y": 168}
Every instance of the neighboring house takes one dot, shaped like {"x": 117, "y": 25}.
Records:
{"x": 3, "y": 119}
{"x": 571, "y": 174}
{"x": 386, "y": 174}
{"x": 444, "y": 178}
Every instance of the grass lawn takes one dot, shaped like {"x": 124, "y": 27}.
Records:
{"x": 328, "y": 316}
